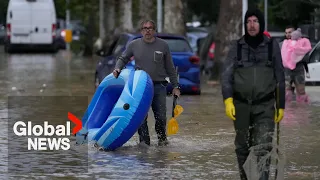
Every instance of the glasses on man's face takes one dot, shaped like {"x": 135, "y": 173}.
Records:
{"x": 147, "y": 28}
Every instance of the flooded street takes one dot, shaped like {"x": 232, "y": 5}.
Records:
{"x": 202, "y": 149}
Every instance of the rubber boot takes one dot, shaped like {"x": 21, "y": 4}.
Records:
{"x": 289, "y": 95}
{"x": 302, "y": 99}
{"x": 143, "y": 132}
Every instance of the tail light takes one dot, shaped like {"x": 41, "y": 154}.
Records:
{"x": 212, "y": 50}
{"x": 54, "y": 31}
{"x": 195, "y": 88}
{"x": 211, "y": 53}
{"x": 63, "y": 33}
{"x": 8, "y": 31}
{"x": 194, "y": 59}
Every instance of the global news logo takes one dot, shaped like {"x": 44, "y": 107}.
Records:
{"x": 47, "y": 136}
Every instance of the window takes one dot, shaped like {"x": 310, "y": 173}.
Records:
{"x": 178, "y": 45}
{"x": 315, "y": 56}
{"x": 111, "y": 48}
{"x": 120, "y": 44}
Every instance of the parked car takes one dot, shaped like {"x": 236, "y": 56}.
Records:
{"x": 198, "y": 29}
{"x": 314, "y": 65}
{"x": 210, "y": 59}
{"x": 195, "y": 39}
{"x": 183, "y": 57}
{"x": 277, "y": 35}
{"x": 77, "y": 30}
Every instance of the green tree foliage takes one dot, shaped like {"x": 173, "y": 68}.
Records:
{"x": 79, "y": 10}
{"x": 3, "y": 10}
{"x": 60, "y": 8}
{"x": 207, "y": 10}
{"x": 291, "y": 12}
{"x": 280, "y": 12}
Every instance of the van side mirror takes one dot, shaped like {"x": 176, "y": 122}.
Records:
{"x": 101, "y": 53}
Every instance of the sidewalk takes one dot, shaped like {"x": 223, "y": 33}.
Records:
{"x": 313, "y": 92}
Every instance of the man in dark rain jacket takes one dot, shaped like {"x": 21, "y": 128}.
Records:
{"x": 252, "y": 79}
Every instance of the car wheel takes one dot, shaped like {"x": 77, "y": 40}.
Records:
{"x": 198, "y": 92}
{"x": 7, "y": 49}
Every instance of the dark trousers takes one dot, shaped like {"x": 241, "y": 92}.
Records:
{"x": 159, "y": 110}
{"x": 254, "y": 126}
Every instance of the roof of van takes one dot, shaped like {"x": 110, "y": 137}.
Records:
{"x": 36, "y": 2}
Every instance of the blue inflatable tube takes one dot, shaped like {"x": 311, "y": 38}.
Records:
{"x": 117, "y": 109}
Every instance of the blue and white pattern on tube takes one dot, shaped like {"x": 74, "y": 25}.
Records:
{"x": 117, "y": 109}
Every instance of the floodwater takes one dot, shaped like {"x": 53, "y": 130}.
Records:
{"x": 202, "y": 149}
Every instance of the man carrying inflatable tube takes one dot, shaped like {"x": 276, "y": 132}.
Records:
{"x": 152, "y": 55}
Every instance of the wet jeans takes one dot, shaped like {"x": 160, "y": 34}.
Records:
{"x": 159, "y": 110}
{"x": 254, "y": 127}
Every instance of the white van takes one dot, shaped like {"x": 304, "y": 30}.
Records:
{"x": 31, "y": 24}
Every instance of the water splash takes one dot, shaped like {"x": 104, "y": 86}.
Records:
{"x": 255, "y": 165}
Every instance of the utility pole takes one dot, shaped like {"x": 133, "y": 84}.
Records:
{"x": 244, "y": 10}
{"x": 67, "y": 22}
{"x": 101, "y": 20}
{"x": 266, "y": 13}
{"x": 159, "y": 15}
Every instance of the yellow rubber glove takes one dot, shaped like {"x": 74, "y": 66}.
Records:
{"x": 230, "y": 109}
{"x": 278, "y": 115}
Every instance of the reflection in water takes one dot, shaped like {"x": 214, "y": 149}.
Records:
{"x": 297, "y": 115}
{"x": 21, "y": 76}
{"x": 202, "y": 149}
{"x": 24, "y": 158}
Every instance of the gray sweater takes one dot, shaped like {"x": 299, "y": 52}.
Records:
{"x": 154, "y": 58}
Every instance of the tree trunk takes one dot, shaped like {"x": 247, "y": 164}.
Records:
{"x": 88, "y": 48}
{"x": 125, "y": 10}
{"x": 110, "y": 15}
{"x": 146, "y": 9}
{"x": 174, "y": 17}
{"x": 229, "y": 28}
{"x": 110, "y": 23}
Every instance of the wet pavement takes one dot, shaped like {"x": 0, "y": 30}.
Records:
{"x": 202, "y": 149}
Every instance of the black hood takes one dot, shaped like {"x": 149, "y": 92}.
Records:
{"x": 256, "y": 40}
